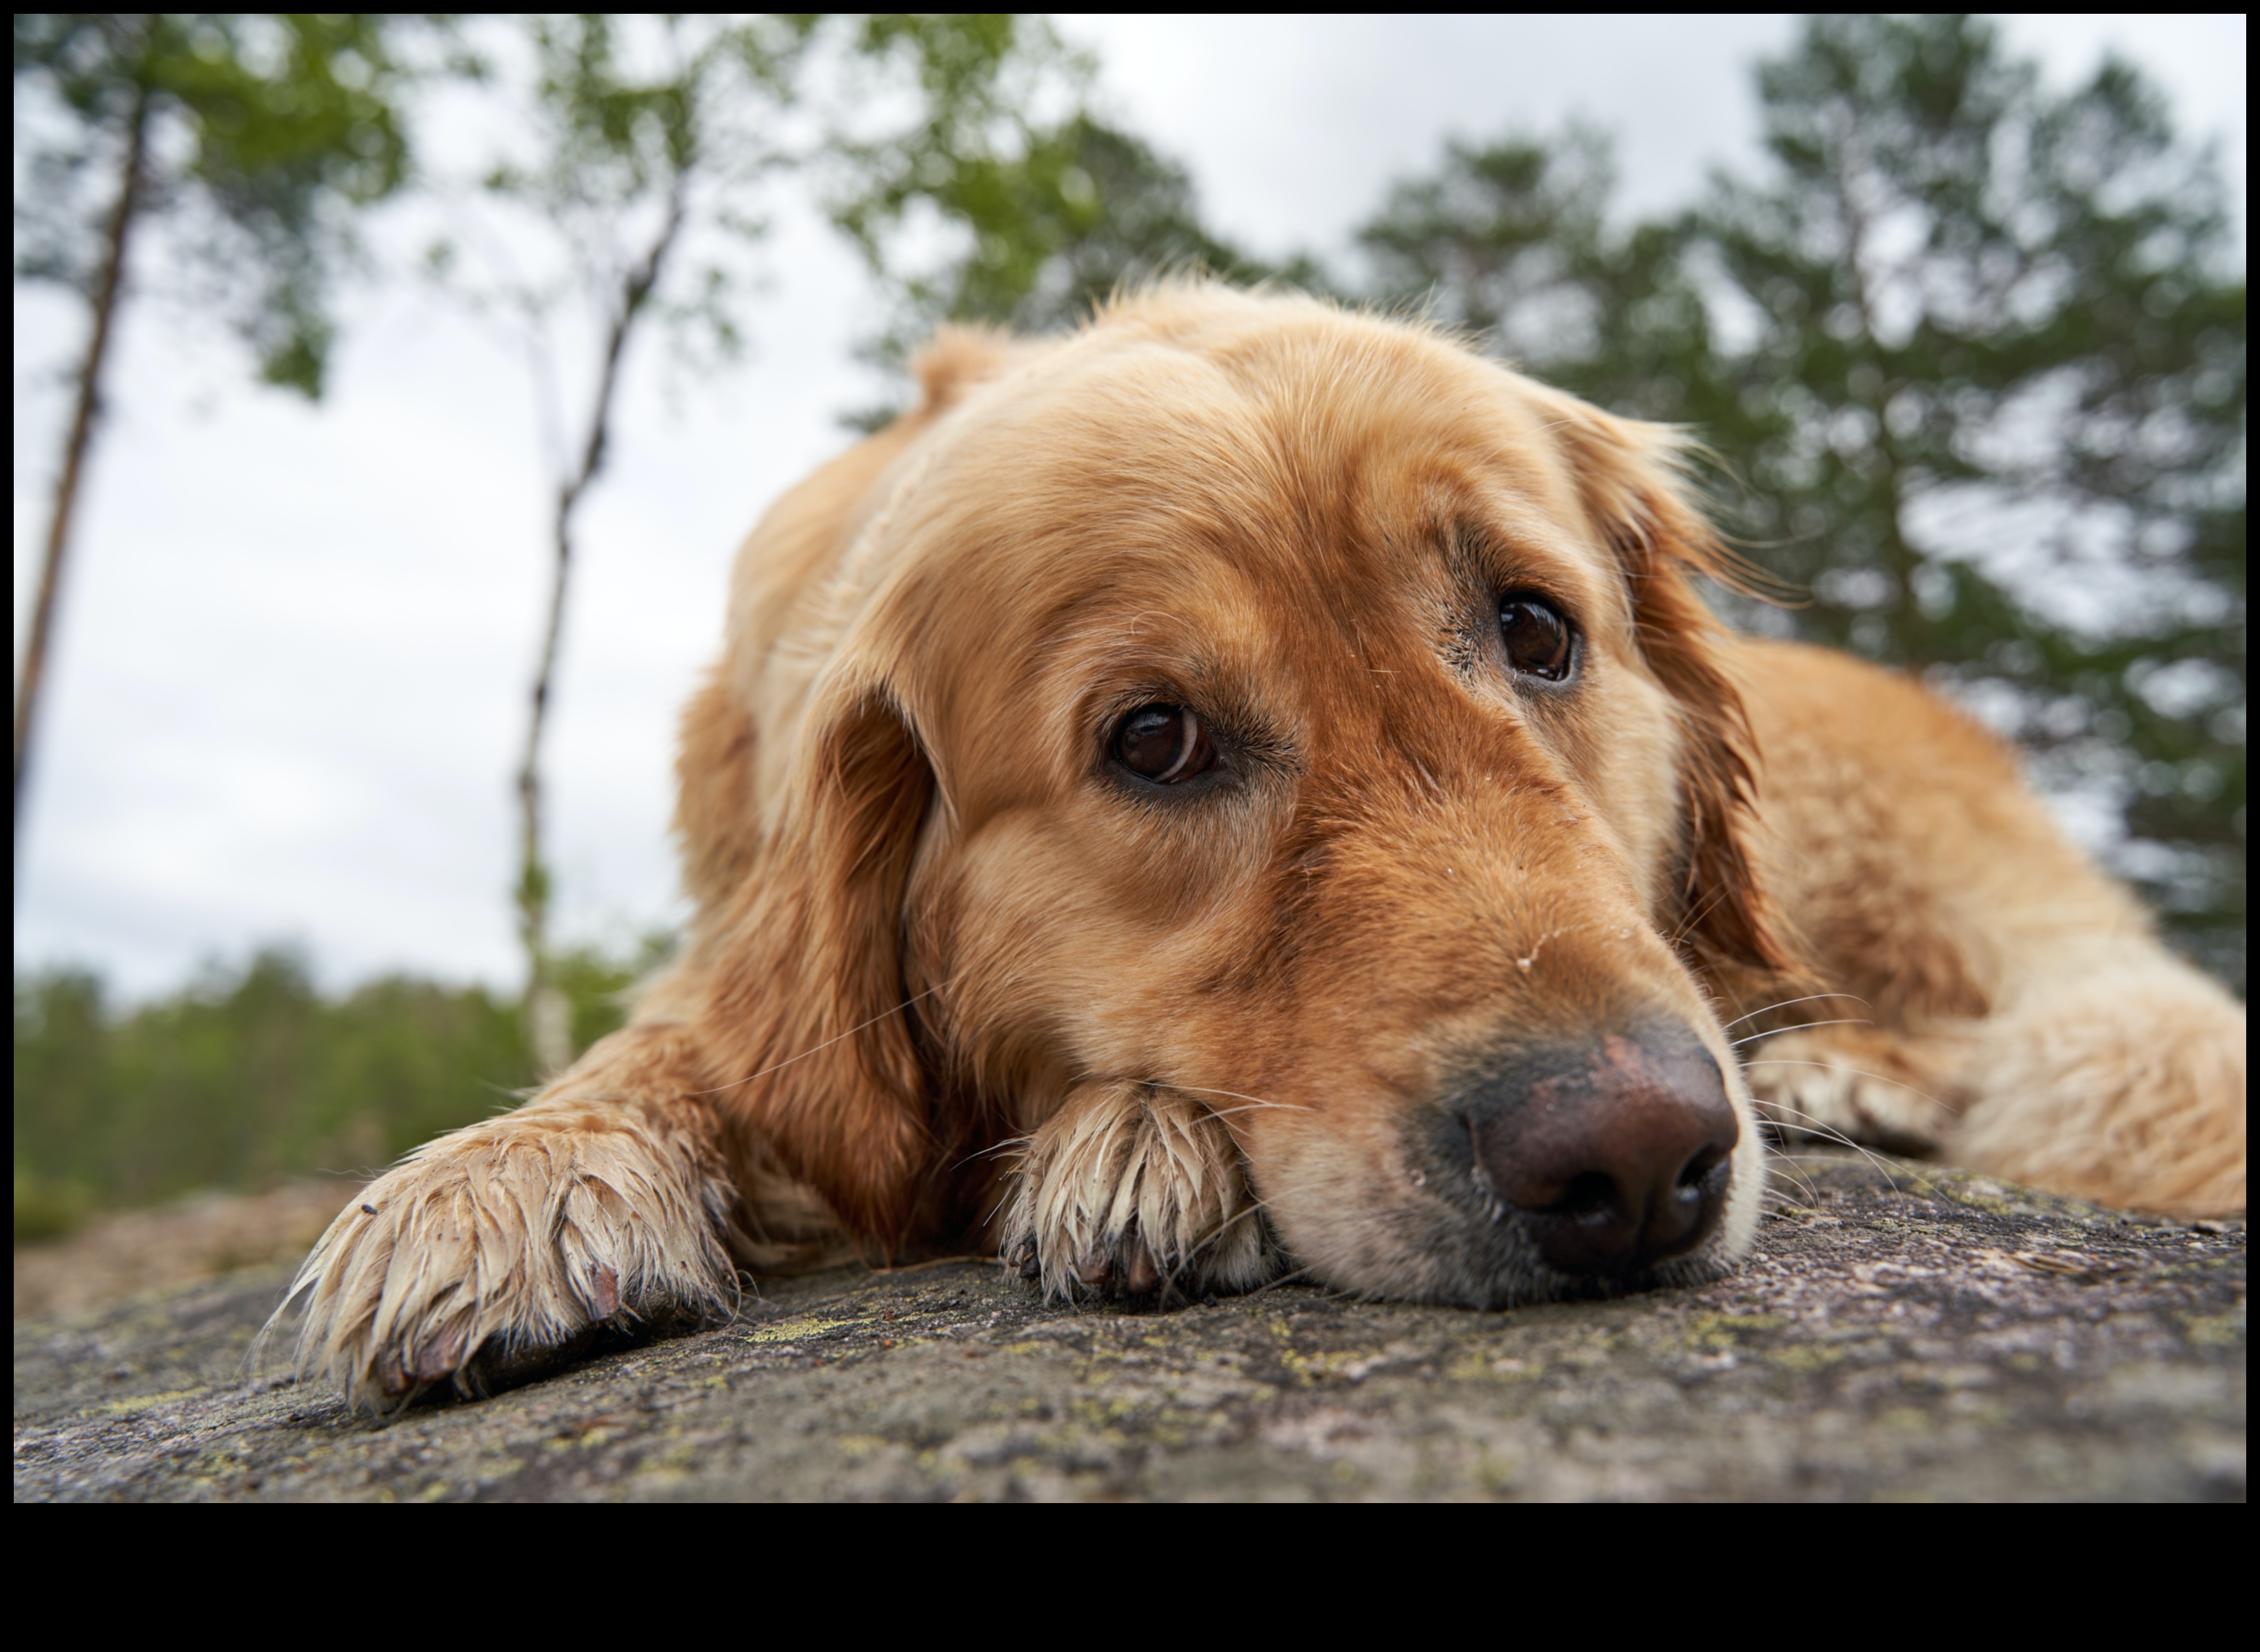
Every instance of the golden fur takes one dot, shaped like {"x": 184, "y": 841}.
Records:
{"x": 953, "y": 983}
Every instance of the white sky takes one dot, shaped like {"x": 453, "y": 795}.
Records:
{"x": 288, "y": 691}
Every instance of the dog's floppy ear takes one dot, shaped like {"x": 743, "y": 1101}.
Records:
{"x": 956, "y": 359}
{"x": 1631, "y": 478}
{"x": 805, "y": 979}
{"x": 798, "y": 826}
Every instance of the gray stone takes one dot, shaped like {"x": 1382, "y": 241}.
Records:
{"x": 1903, "y": 1331}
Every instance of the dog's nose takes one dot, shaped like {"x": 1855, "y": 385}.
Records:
{"x": 1615, "y": 1155}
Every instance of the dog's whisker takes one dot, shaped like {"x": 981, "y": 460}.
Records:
{"x": 1692, "y": 916}
{"x": 1196, "y": 1090}
{"x": 1285, "y": 1279}
{"x": 1802, "y": 1027}
{"x": 1284, "y": 1106}
{"x": 1008, "y": 1143}
{"x": 1810, "y": 997}
{"x": 1256, "y": 1208}
{"x": 1776, "y": 1157}
{"x": 819, "y": 1048}
{"x": 940, "y": 986}
{"x": 997, "y": 1209}
{"x": 1829, "y": 1132}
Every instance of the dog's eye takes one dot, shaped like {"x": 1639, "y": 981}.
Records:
{"x": 1537, "y": 637}
{"x": 1164, "y": 743}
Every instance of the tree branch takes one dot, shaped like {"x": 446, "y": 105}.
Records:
{"x": 533, "y": 876}
{"x": 104, "y": 304}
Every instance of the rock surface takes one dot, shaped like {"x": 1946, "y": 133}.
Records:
{"x": 1903, "y": 1332}
{"x": 123, "y": 1253}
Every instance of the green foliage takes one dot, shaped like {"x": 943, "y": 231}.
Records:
{"x": 1046, "y": 218}
{"x": 646, "y": 141}
{"x": 1507, "y": 243}
{"x": 45, "y": 1210}
{"x": 649, "y": 157}
{"x": 1051, "y": 230}
{"x": 1975, "y": 353}
{"x": 253, "y": 1075}
{"x": 263, "y": 133}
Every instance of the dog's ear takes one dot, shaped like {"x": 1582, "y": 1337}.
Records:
{"x": 795, "y": 964}
{"x": 956, "y": 359}
{"x": 805, "y": 990}
{"x": 1632, "y": 479}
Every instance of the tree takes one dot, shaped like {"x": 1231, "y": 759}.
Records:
{"x": 1505, "y": 242}
{"x": 1994, "y": 415}
{"x": 252, "y": 140}
{"x": 1512, "y": 245}
{"x": 627, "y": 160}
{"x": 651, "y": 147}
{"x": 1976, "y": 353}
{"x": 1042, "y": 219}
{"x": 1050, "y": 228}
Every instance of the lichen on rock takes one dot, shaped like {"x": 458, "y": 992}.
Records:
{"x": 1901, "y": 1332}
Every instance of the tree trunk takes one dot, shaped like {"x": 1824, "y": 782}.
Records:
{"x": 548, "y": 1015}
{"x": 104, "y": 304}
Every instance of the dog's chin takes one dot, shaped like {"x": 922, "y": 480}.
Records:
{"x": 1436, "y": 1256}
{"x": 1498, "y": 1276}
{"x": 1530, "y": 1286}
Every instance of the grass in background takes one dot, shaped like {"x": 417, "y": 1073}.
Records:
{"x": 252, "y": 1075}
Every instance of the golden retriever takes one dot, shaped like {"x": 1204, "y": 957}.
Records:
{"x": 1252, "y": 787}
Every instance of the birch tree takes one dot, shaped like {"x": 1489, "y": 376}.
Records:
{"x": 248, "y": 143}
{"x": 655, "y": 149}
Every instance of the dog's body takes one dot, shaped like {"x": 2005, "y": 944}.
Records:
{"x": 1251, "y": 787}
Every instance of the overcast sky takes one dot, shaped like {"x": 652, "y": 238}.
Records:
{"x": 289, "y": 687}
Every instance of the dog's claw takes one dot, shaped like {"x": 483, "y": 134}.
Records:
{"x": 392, "y": 1375}
{"x": 1175, "y": 1214}
{"x": 441, "y": 1358}
{"x": 604, "y": 1292}
{"x": 1142, "y": 1277}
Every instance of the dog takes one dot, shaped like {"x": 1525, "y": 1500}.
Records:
{"x": 1251, "y": 789}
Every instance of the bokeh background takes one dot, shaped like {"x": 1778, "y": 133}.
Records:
{"x": 1957, "y": 305}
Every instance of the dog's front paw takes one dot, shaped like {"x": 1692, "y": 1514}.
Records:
{"x": 501, "y": 1250}
{"x": 1140, "y": 1194}
{"x": 1850, "y": 1084}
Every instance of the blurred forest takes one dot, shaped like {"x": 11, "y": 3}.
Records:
{"x": 252, "y": 1075}
{"x": 1966, "y": 356}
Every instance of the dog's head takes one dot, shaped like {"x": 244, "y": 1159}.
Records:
{"x": 1284, "y": 707}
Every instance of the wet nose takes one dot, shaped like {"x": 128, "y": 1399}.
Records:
{"x": 1614, "y": 1155}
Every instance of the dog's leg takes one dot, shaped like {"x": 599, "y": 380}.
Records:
{"x": 1136, "y": 1192}
{"x": 500, "y": 1248}
{"x": 2125, "y": 1086}
{"x": 1860, "y": 1085}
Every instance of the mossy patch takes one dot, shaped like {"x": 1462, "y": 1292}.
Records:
{"x": 1888, "y": 1350}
